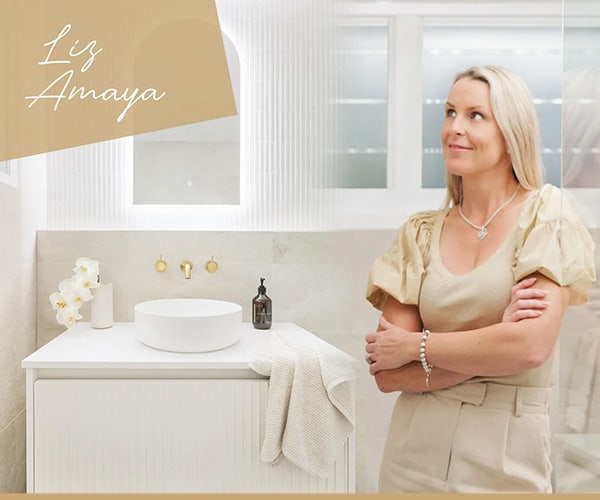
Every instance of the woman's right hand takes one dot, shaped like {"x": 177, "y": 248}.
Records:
{"x": 525, "y": 302}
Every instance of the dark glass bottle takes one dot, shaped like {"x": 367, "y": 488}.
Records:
{"x": 261, "y": 308}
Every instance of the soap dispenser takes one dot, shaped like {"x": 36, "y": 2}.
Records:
{"x": 261, "y": 308}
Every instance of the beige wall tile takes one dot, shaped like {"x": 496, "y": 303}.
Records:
{"x": 21, "y": 212}
{"x": 12, "y": 451}
{"x": 64, "y": 247}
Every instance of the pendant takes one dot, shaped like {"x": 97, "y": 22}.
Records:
{"x": 482, "y": 233}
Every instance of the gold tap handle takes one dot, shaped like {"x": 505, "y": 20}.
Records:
{"x": 211, "y": 266}
{"x": 160, "y": 265}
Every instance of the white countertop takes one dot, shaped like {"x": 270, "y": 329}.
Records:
{"x": 117, "y": 348}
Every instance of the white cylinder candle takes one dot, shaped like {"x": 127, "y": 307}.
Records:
{"x": 102, "y": 306}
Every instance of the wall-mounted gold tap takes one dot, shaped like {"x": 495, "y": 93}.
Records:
{"x": 211, "y": 266}
{"x": 160, "y": 265}
{"x": 186, "y": 267}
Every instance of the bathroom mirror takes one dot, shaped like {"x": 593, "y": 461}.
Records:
{"x": 195, "y": 164}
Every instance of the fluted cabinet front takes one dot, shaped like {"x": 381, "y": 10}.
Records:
{"x": 160, "y": 436}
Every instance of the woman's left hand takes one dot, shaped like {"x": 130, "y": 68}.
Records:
{"x": 390, "y": 346}
{"x": 525, "y": 301}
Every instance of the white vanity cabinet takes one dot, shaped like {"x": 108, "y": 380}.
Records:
{"x": 107, "y": 414}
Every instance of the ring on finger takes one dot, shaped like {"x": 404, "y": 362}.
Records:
{"x": 368, "y": 359}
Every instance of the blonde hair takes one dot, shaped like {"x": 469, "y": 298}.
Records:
{"x": 514, "y": 111}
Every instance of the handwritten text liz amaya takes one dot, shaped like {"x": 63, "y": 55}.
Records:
{"x": 131, "y": 97}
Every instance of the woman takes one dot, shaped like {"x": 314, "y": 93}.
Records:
{"x": 463, "y": 334}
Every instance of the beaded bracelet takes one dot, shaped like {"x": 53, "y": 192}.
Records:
{"x": 426, "y": 366}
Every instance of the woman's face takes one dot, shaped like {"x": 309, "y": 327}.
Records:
{"x": 471, "y": 139}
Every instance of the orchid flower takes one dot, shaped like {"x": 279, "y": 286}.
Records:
{"x": 78, "y": 296}
{"x": 83, "y": 265}
{"x": 88, "y": 269}
{"x": 58, "y": 300}
{"x": 68, "y": 316}
{"x": 71, "y": 284}
{"x": 73, "y": 291}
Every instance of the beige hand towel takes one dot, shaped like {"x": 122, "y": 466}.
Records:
{"x": 310, "y": 401}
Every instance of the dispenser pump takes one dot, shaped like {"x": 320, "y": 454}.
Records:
{"x": 262, "y": 308}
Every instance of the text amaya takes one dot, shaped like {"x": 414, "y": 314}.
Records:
{"x": 59, "y": 88}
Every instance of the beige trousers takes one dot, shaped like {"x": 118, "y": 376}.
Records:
{"x": 473, "y": 438}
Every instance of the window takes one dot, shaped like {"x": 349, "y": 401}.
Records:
{"x": 363, "y": 107}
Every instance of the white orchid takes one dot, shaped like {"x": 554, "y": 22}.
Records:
{"x": 91, "y": 282}
{"x": 68, "y": 316}
{"x": 83, "y": 265}
{"x": 88, "y": 269}
{"x": 71, "y": 284}
{"x": 58, "y": 300}
{"x": 73, "y": 291}
{"x": 78, "y": 296}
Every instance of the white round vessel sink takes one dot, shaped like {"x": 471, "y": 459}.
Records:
{"x": 188, "y": 325}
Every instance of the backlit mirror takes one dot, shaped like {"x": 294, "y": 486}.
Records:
{"x": 196, "y": 164}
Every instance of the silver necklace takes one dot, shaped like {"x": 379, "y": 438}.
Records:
{"x": 482, "y": 231}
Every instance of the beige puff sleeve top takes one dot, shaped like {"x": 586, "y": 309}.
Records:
{"x": 399, "y": 271}
{"x": 548, "y": 237}
{"x": 552, "y": 240}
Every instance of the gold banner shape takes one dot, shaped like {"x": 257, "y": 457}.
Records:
{"x": 77, "y": 72}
